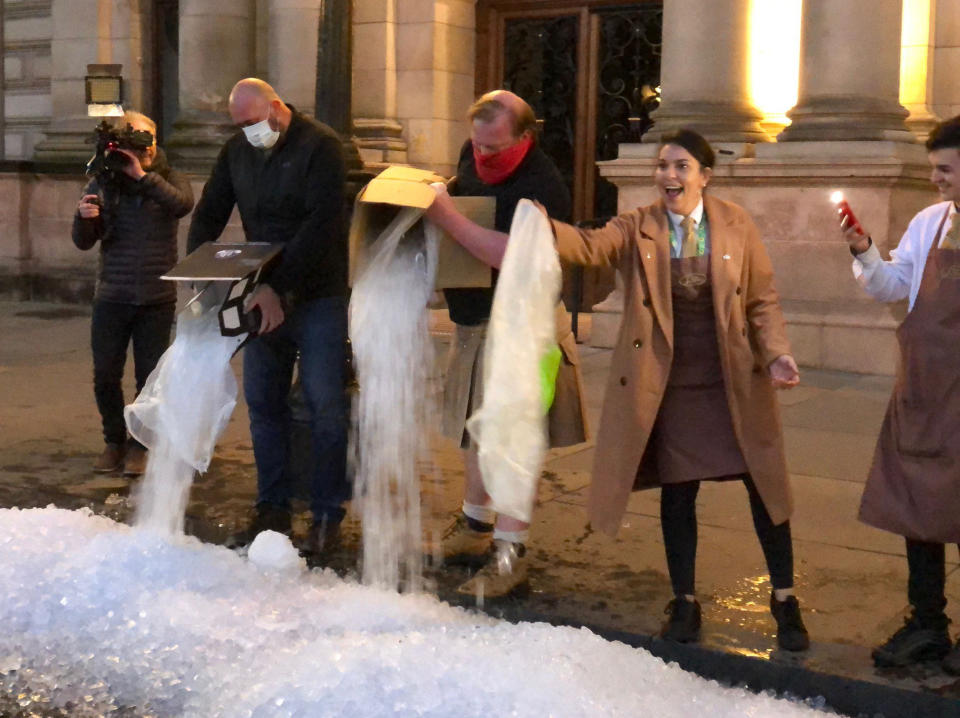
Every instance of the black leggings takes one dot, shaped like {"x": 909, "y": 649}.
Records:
{"x": 925, "y": 587}
{"x": 678, "y": 518}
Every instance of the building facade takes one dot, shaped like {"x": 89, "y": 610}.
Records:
{"x": 803, "y": 97}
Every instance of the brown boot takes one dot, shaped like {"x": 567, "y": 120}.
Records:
{"x": 110, "y": 460}
{"x": 505, "y": 574}
{"x": 135, "y": 462}
{"x": 462, "y": 544}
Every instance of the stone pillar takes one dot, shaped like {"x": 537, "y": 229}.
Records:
{"x": 110, "y": 33}
{"x": 916, "y": 66}
{"x": 705, "y": 72}
{"x": 291, "y": 64}
{"x": 849, "y": 73}
{"x": 217, "y": 48}
{"x": 435, "y": 78}
{"x": 378, "y": 134}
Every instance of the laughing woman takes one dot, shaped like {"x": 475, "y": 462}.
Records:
{"x": 690, "y": 395}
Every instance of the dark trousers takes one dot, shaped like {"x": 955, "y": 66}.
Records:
{"x": 318, "y": 331}
{"x": 678, "y": 519}
{"x": 114, "y": 325}
{"x": 925, "y": 587}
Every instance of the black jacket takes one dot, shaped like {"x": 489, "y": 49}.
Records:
{"x": 137, "y": 231}
{"x": 292, "y": 194}
{"x": 537, "y": 178}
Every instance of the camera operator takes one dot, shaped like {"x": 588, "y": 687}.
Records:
{"x": 131, "y": 206}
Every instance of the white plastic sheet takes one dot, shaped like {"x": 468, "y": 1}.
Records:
{"x": 510, "y": 427}
{"x": 190, "y": 395}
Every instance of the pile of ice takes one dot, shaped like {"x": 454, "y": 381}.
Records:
{"x": 117, "y": 621}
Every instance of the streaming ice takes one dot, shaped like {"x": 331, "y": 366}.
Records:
{"x": 183, "y": 407}
{"x": 103, "y": 620}
{"x": 393, "y": 412}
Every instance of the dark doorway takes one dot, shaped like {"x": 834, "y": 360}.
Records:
{"x": 165, "y": 33}
{"x": 590, "y": 69}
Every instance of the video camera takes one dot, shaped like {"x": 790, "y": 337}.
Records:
{"x": 106, "y": 163}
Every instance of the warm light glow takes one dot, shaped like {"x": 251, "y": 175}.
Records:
{"x": 836, "y": 197}
{"x": 914, "y": 53}
{"x": 774, "y": 59}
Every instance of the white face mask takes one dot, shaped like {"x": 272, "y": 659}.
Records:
{"x": 261, "y": 135}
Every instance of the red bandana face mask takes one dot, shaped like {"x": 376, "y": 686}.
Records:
{"x": 496, "y": 167}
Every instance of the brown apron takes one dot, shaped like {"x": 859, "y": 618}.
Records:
{"x": 913, "y": 488}
{"x": 693, "y": 436}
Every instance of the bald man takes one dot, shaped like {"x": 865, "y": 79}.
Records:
{"x": 285, "y": 173}
{"x": 500, "y": 160}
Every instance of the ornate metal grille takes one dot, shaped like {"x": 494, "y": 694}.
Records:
{"x": 540, "y": 65}
{"x": 629, "y": 73}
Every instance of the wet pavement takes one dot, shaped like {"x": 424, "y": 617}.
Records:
{"x": 851, "y": 579}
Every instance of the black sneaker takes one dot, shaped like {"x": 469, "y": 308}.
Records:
{"x": 913, "y": 643}
{"x": 951, "y": 664}
{"x": 791, "y": 633}
{"x": 683, "y": 626}
{"x": 267, "y": 517}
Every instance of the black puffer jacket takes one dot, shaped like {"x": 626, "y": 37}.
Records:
{"x": 137, "y": 231}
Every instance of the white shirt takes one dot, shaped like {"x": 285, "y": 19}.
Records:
{"x": 900, "y": 277}
{"x": 676, "y": 236}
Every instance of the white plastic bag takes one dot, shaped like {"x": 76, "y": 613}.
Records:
{"x": 191, "y": 393}
{"x": 510, "y": 427}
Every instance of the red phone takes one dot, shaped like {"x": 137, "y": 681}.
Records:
{"x": 844, "y": 211}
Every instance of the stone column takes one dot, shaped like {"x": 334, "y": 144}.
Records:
{"x": 111, "y": 32}
{"x": 217, "y": 48}
{"x": 291, "y": 61}
{"x": 916, "y": 66}
{"x": 378, "y": 133}
{"x": 849, "y": 73}
{"x": 705, "y": 72}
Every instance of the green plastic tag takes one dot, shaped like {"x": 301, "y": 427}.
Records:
{"x": 549, "y": 368}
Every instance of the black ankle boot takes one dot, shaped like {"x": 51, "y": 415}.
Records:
{"x": 683, "y": 626}
{"x": 791, "y": 633}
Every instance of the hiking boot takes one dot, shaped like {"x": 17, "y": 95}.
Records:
{"x": 951, "y": 664}
{"x": 110, "y": 460}
{"x": 267, "y": 517}
{"x": 915, "y": 642}
{"x": 683, "y": 626}
{"x": 135, "y": 460}
{"x": 323, "y": 538}
{"x": 791, "y": 633}
{"x": 504, "y": 574}
{"x": 465, "y": 542}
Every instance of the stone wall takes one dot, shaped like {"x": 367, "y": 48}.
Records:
{"x": 27, "y": 29}
{"x": 37, "y": 257}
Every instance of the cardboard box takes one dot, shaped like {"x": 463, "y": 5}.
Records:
{"x": 376, "y": 207}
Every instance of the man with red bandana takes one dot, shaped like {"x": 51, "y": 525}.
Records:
{"x": 500, "y": 160}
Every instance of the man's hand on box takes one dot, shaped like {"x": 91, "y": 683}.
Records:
{"x": 442, "y": 209}
{"x": 271, "y": 308}
{"x": 89, "y": 207}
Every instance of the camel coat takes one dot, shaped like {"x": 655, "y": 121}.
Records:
{"x": 750, "y": 330}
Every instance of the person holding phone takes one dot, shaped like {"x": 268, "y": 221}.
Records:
{"x": 913, "y": 488}
{"x": 133, "y": 214}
